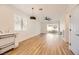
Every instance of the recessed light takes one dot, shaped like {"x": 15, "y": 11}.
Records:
{"x": 40, "y": 9}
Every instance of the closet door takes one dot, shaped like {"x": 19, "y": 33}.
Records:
{"x": 74, "y": 34}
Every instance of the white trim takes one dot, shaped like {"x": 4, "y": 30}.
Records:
{"x": 73, "y": 50}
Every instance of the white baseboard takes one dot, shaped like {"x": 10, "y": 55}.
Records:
{"x": 25, "y": 38}
{"x": 73, "y": 50}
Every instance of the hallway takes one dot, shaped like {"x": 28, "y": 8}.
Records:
{"x": 43, "y": 44}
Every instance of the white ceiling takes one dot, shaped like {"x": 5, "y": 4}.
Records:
{"x": 50, "y": 10}
{"x": 47, "y": 8}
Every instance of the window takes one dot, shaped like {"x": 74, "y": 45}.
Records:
{"x": 20, "y": 23}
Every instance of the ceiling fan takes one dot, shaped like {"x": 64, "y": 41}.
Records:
{"x": 47, "y": 18}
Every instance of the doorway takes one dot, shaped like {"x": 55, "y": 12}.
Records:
{"x": 55, "y": 31}
{"x": 52, "y": 28}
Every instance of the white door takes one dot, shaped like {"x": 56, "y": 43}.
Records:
{"x": 74, "y": 37}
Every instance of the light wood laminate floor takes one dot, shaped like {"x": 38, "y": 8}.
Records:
{"x": 43, "y": 44}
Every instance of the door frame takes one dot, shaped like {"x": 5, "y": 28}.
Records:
{"x": 75, "y": 52}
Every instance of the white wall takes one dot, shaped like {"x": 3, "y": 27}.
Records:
{"x": 7, "y": 23}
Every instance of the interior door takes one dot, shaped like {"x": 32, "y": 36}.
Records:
{"x": 74, "y": 36}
